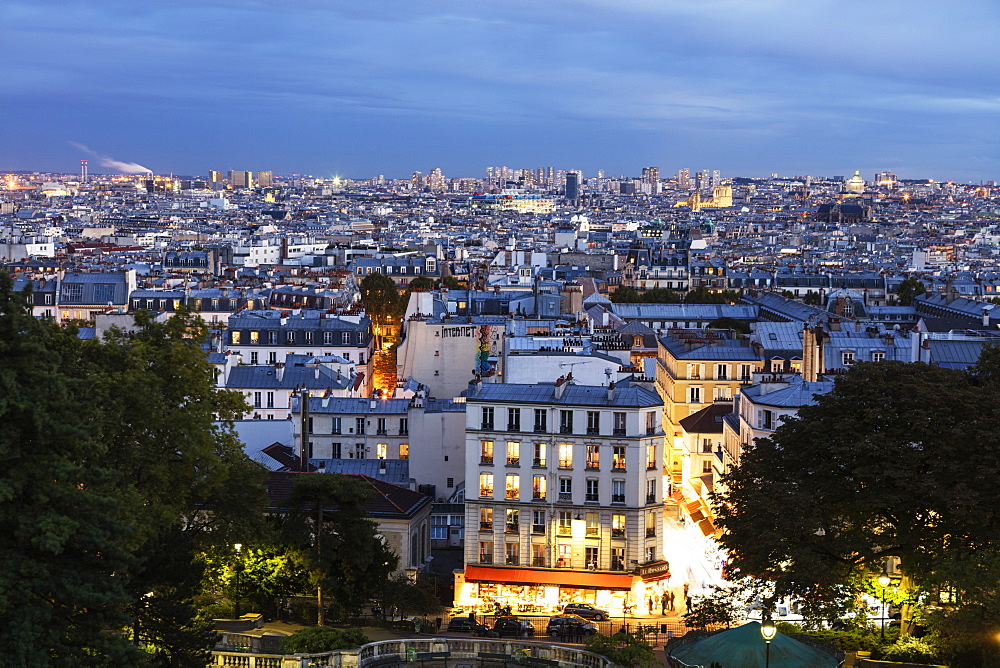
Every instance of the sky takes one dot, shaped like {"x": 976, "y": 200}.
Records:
{"x": 326, "y": 87}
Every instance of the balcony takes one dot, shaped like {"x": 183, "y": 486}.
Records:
{"x": 514, "y": 427}
{"x": 540, "y": 429}
{"x": 617, "y": 533}
{"x": 566, "y": 496}
{"x": 486, "y": 526}
{"x": 487, "y": 493}
{"x": 538, "y": 561}
{"x": 486, "y": 459}
{"x": 537, "y": 495}
{"x": 513, "y": 560}
{"x": 565, "y": 429}
{"x": 617, "y": 565}
{"x": 513, "y": 461}
{"x": 617, "y": 498}
{"x": 538, "y": 462}
{"x": 591, "y": 498}
{"x": 513, "y": 493}
{"x": 538, "y": 529}
{"x": 486, "y": 558}
{"x": 651, "y": 498}
{"x": 650, "y": 533}
{"x": 564, "y": 530}
{"x": 593, "y": 465}
{"x": 618, "y": 431}
{"x": 512, "y": 527}
{"x": 487, "y": 426}
{"x": 618, "y": 464}
{"x": 565, "y": 463}
{"x": 594, "y": 431}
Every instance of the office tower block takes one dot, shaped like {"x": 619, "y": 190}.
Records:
{"x": 265, "y": 179}
{"x": 435, "y": 180}
{"x": 573, "y": 187}
{"x": 417, "y": 182}
{"x": 240, "y": 179}
{"x": 684, "y": 179}
{"x": 651, "y": 175}
{"x": 716, "y": 178}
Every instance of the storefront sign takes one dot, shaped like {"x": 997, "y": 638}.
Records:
{"x": 653, "y": 571}
{"x": 465, "y": 331}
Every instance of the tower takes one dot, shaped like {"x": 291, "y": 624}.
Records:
{"x": 683, "y": 179}
{"x": 83, "y": 171}
{"x": 573, "y": 187}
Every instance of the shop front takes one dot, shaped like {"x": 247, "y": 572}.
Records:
{"x": 652, "y": 585}
{"x": 483, "y": 589}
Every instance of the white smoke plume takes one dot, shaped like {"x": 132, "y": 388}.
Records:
{"x": 111, "y": 163}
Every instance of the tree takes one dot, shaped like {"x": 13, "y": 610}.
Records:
{"x": 347, "y": 558}
{"x": 812, "y": 298}
{"x": 661, "y": 296}
{"x": 380, "y": 297}
{"x": 625, "y": 295}
{"x": 408, "y": 596}
{"x": 629, "y": 650}
{"x": 879, "y": 467}
{"x": 725, "y": 322}
{"x": 421, "y": 283}
{"x": 723, "y": 607}
{"x": 908, "y": 289}
{"x": 323, "y": 639}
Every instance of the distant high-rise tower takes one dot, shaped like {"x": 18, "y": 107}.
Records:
{"x": 684, "y": 179}
{"x": 265, "y": 179}
{"x": 417, "y": 182}
{"x": 716, "y": 178}
{"x": 83, "y": 171}
{"x": 701, "y": 179}
{"x": 435, "y": 180}
{"x": 240, "y": 179}
{"x": 573, "y": 187}
{"x": 651, "y": 175}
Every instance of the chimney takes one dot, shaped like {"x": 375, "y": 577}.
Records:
{"x": 475, "y": 385}
{"x": 611, "y": 391}
{"x": 986, "y": 317}
{"x": 560, "y": 386}
{"x": 316, "y": 371}
{"x": 279, "y": 370}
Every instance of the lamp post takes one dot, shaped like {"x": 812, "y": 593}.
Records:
{"x": 238, "y": 567}
{"x": 768, "y": 631}
{"x": 883, "y": 581}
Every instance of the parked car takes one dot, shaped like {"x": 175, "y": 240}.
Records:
{"x": 586, "y": 611}
{"x": 513, "y": 627}
{"x": 570, "y": 626}
{"x": 466, "y": 625}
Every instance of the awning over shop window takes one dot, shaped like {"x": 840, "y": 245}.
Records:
{"x": 572, "y": 579}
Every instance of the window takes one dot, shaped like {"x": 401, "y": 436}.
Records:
{"x": 593, "y": 456}
{"x": 270, "y": 399}
{"x": 538, "y": 484}
{"x": 254, "y": 337}
{"x": 847, "y": 357}
{"x": 565, "y": 455}
{"x": 450, "y": 482}
{"x": 404, "y": 426}
{"x": 253, "y": 357}
{"x": 593, "y": 422}
{"x": 513, "y": 488}
{"x": 486, "y": 519}
{"x": 617, "y": 526}
{"x": 539, "y": 456}
{"x": 565, "y": 489}
{"x": 256, "y": 399}
{"x": 380, "y": 428}
{"x": 565, "y": 422}
{"x": 486, "y": 452}
{"x": 618, "y": 558}
{"x": 359, "y": 425}
{"x": 486, "y": 485}
{"x": 513, "y": 519}
{"x": 485, "y": 553}
{"x": 513, "y": 453}
{"x": 272, "y": 337}
{"x": 487, "y": 421}
{"x": 345, "y": 338}
{"x": 538, "y": 521}
{"x": 618, "y": 424}
{"x": 650, "y": 554}
{"x": 538, "y": 554}
{"x": 328, "y": 338}
{"x": 722, "y": 371}
{"x": 694, "y": 395}
{"x": 335, "y": 425}
{"x": 650, "y": 524}
{"x": 335, "y": 451}
{"x": 706, "y": 466}
{"x": 565, "y": 559}
{"x": 593, "y": 525}
{"x": 695, "y": 371}
{"x": 381, "y": 450}
{"x": 746, "y": 372}
{"x": 617, "y": 491}
{"x": 592, "y": 490}
{"x": 651, "y": 457}
{"x": 513, "y": 557}
{"x": 541, "y": 417}
{"x": 513, "y": 419}
{"x": 765, "y": 419}
{"x": 272, "y": 357}
{"x": 618, "y": 458}
{"x": 878, "y": 356}
{"x": 565, "y": 526}
{"x": 234, "y": 336}
{"x": 590, "y": 557}
{"x": 309, "y": 336}
{"x": 650, "y": 423}
{"x": 706, "y": 445}
{"x": 104, "y": 293}
{"x": 722, "y": 393}
{"x": 650, "y": 491}
{"x": 289, "y": 337}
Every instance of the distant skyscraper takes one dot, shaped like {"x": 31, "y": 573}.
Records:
{"x": 702, "y": 179}
{"x": 265, "y": 179}
{"x": 684, "y": 179}
{"x": 417, "y": 182}
{"x": 435, "y": 180}
{"x": 240, "y": 179}
{"x": 651, "y": 175}
{"x": 716, "y": 178}
{"x": 83, "y": 171}
{"x": 573, "y": 186}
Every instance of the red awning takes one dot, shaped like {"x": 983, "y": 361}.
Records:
{"x": 524, "y": 576}
{"x": 706, "y": 527}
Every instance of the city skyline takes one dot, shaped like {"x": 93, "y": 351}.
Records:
{"x": 748, "y": 88}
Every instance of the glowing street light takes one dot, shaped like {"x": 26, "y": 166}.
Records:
{"x": 238, "y": 568}
{"x": 768, "y": 631}
{"x": 883, "y": 581}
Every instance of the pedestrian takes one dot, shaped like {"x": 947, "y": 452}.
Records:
{"x": 687, "y": 603}
{"x": 650, "y": 605}
{"x": 663, "y": 604}
{"x": 686, "y": 586}
{"x": 671, "y": 600}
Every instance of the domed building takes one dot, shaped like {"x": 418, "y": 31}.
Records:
{"x": 855, "y": 184}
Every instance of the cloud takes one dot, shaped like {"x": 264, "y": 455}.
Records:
{"x": 111, "y": 163}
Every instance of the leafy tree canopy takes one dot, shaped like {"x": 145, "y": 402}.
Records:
{"x": 379, "y": 296}
{"x": 722, "y": 607}
{"x": 629, "y": 650}
{"x": 908, "y": 289}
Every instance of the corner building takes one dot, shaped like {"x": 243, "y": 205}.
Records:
{"x": 564, "y": 496}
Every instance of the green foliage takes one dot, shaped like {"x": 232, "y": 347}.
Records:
{"x": 722, "y": 607}
{"x": 380, "y": 296}
{"x": 629, "y": 650}
{"x": 112, "y": 462}
{"x": 347, "y": 558}
{"x": 409, "y": 597}
{"x": 908, "y": 289}
{"x": 847, "y": 640}
{"x": 739, "y": 326}
{"x": 702, "y": 295}
{"x": 908, "y": 650}
{"x": 318, "y": 639}
{"x": 421, "y": 283}
{"x": 625, "y": 295}
{"x": 812, "y": 298}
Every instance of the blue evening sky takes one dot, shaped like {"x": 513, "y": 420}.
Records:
{"x": 371, "y": 87}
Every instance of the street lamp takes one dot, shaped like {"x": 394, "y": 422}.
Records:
{"x": 238, "y": 568}
{"x": 768, "y": 631}
{"x": 883, "y": 581}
